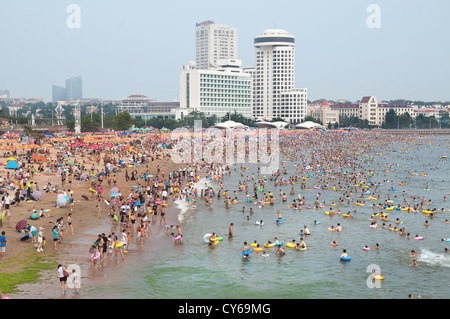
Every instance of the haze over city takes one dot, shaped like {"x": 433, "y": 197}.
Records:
{"x": 140, "y": 46}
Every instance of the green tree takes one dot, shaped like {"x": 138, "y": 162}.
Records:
{"x": 390, "y": 120}
{"x": 236, "y": 117}
{"x": 122, "y": 121}
{"x": 421, "y": 121}
{"x": 22, "y": 120}
{"x": 90, "y": 123}
{"x": 404, "y": 120}
{"x": 445, "y": 120}
{"x": 70, "y": 122}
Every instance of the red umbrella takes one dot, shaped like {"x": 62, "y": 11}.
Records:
{"x": 21, "y": 225}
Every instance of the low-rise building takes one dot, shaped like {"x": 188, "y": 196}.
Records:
{"x": 215, "y": 91}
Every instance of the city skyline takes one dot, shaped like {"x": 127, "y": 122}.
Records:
{"x": 122, "y": 48}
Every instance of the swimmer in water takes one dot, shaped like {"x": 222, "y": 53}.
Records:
{"x": 279, "y": 251}
{"x": 230, "y": 231}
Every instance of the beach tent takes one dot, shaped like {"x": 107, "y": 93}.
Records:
{"x": 12, "y": 165}
{"x": 49, "y": 134}
{"x": 309, "y": 125}
{"x": 277, "y": 125}
{"x": 230, "y": 125}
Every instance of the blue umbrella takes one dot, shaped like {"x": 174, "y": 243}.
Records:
{"x": 115, "y": 194}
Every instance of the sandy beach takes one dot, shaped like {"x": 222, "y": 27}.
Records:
{"x": 74, "y": 249}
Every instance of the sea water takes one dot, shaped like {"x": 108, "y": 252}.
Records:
{"x": 197, "y": 270}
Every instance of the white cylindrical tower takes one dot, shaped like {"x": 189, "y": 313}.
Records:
{"x": 274, "y": 72}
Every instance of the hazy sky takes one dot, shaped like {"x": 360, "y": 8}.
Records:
{"x": 124, "y": 47}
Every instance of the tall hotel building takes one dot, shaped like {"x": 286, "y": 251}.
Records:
{"x": 214, "y": 42}
{"x": 274, "y": 94}
{"x": 215, "y": 84}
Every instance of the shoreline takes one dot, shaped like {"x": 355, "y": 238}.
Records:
{"x": 74, "y": 249}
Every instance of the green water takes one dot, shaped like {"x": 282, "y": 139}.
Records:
{"x": 196, "y": 270}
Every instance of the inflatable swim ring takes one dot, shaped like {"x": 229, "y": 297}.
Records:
{"x": 247, "y": 253}
{"x": 206, "y": 238}
{"x": 346, "y": 258}
{"x": 95, "y": 256}
{"x": 290, "y": 245}
{"x": 278, "y": 244}
{"x": 119, "y": 245}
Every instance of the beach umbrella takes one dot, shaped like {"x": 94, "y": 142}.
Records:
{"x": 85, "y": 197}
{"x": 71, "y": 163}
{"x": 21, "y": 225}
{"x": 114, "y": 190}
{"x": 37, "y": 194}
{"x": 83, "y": 177}
{"x": 61, "y": 201}
{"x": 115, "y": 194}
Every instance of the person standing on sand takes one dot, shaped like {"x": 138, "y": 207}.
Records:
{"x": 40, "y": 239}
{"x": 62, "y": 274}
{"x": 69, "y": 222}
{"x": 55, "y": 236}
{"x": 76, "y": 282}
{"x": 2, "y": 245}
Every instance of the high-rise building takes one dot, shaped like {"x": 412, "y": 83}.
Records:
{"x": 4, "y": 94}
{"x": 214, "y": 42}
{"x": 274, "y": 95}
{"x": 74, "y": 88}
{"x": 58, "y": 93}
